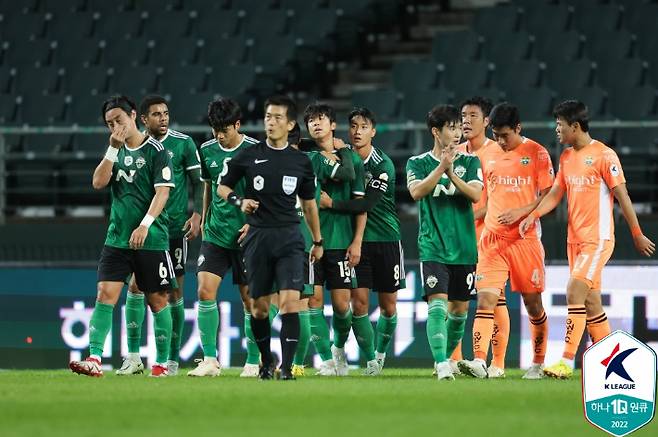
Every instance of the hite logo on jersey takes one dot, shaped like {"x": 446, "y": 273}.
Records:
{"x": 614, "y": 363}
{"x": 259, "y": 183}
{"x": 289, "y": 184}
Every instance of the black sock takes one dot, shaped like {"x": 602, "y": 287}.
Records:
{"x": 289, "y": 339}
{"x": 262, "y": 335}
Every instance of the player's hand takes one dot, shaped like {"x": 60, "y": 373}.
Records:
{"x": 138, "y": 237}
{"x": 525, "y": 225}
{"x": 325, "y": 201}
{"x": 249, "y": 206}
{"x": 510, "y": 216}
{"x": 353, "y": 254}
{"x": 192, "y": 226}
{"x": 118, "y": 137}
{"x": 316, "y": 253}
{"x": 242, "y": 233}
{"x": 643, "y": 245}
{"x": 339, "y": 144}
{"x": 448, "y": 156}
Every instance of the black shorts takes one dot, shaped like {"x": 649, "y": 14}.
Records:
{"x": 382, "y": 267}
{"x": 153, "y": 269}
{"x": 274, "y": 256}
{"x": 178, "y": 254}
{"x": 457, "y": 280}
{"x": 218, "y": 260}
{"x": 332, "y": 270}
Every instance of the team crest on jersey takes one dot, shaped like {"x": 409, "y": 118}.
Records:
{"x": 259, "y": 183}
{"x": 140, "y": 162}
{"x": 589, "y": 161}
{"x": 525, "y": 160}
{"x": 214, "y": 164}
{"x": 460, "y": 171}
{"x": 166, "y": 173}
{"x": 431, "y": 281}
{"x": 171, "y": 154}
{"x": 128, "y": 161}
{"x": 289, "y": 183}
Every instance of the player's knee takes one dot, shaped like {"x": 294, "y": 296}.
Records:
{"x": 315, "y": 302}
{"x": 487, "y": 301}
{"x": 289, "y": 306}
{"x": 205, "y": 293}
{"x": 388, "y": 309}
{"x": 132, "y": 288}
{"x": 341, "y": 307}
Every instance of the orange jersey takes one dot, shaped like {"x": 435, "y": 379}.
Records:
{"x": 588, "y": 176}
{"x": 464, "y": 147}
{"x": 514, "y": 179}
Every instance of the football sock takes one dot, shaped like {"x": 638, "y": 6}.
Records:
{"x": 253, "y": 354}
{"x": 99, "y": 326}
{"x": 385, "y": 329}
{"x": 320, "y": 333}
{"x": 365, "y": 335}
{"x": 177, "y": 323}
{"x": 135, "y": 311}
{"x": 162, "y": 324}
{"x": 274, "y": 310}
{"x": 262, "y": 336}
{"x": 575, "y": 326}
{"x": 500, "y": 336}
{"x": 208, "y": 325}
{"x": 457, "y": 355}
{"x": 342, "y": 325}
{"x": 304, "y": 337}
{"x": 455, "y": 328}
{"x": 437, "y": 333}
{"x": 482, "y": 331}
{"x": 539, "y": 336}
{"x": 289, "y": 338}
{"x": 598, "y": 327}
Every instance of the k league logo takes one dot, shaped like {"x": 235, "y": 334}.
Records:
{"x": 619, "y": 384}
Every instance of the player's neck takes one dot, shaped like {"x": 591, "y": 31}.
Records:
{"x": 437, "y": 150}
{"x": 135, "y": 140}
{"x": 364, "y": 152}
{"x": 158, "y": 137}
{"x": 476, "y": 143}
{"x": 280, "y": 143}
{"x": 235, "y": 143}
{"x": 582, "y": 141}
{"x": 326, "y": 143}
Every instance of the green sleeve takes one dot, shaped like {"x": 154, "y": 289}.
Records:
{"x": 205, "y": 173}
{"x": 191, "y": 156}
{"x": 197, "y": 189}
{"x": 415, "y": 171}
{"x": 344, "y": 171}
{"x": 359, "y": 183}
{"x": 473, "y": 170}
{"x": 161, "y": 170}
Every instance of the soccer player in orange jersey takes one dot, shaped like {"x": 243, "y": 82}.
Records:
{"x": 591, "y": 175}
{"x": 517, "y": 173}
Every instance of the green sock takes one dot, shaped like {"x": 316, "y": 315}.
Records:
{"x": 320, "y": 333}
{"x": 274, "y": 310}
{"x": 455, "y": 328}
{"x": 365, "y": 335}
{"x": 208, "y": 325}
{"x": 436, "y": 329}
{"x": 178, "y": 321}
{"x": 134, "y": 318}
{"x": 304, "y": 337}
{"x": 253, "y": 354}
{"x": 99, "y": 326}
{"x": 342, "y": 325}
{"x": 162, "y": 324}
{"x": 385, "y": 329}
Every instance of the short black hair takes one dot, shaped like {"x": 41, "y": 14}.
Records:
{"x": 573, "y": 111}
{"x": 504, "y": 114}
{"x": 283, "y": 100}
{"x": 483, "y": 103}
{"x": 442, "y": 115}
{"x": 362, "y": 112}
{"x": 316, "y": 109}
{"x": 222, "y": 113}
{"x": 149, "y": 101}
{"x": 118, "y": 101}
{"x": 295, "y": 135}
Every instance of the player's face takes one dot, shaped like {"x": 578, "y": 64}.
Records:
{"x": 473, "y": 121}
{"x": 449, "y": 135}
{"x": 277, "y": 124}
{"x": 228, "y": 136}
{"x": 157, "y": 120}
{"x": 320, "y": 126}
{"x": 507, "y": 137}
{"x": 117, "y": 117}
{"x": 564, "y": 131}
{"x": 361, "y": 132}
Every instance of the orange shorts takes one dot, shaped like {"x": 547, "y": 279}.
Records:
{"x": 499, "y": 259}
{"x": 586, "y": 261}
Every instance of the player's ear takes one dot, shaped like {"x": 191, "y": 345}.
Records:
{"x": 435, "y": 132}
{"x": 237, "y": 125}
{"x": 486, "y": 122}
{"x": 291, "y": 124}
{"x": 143, "y": 119}
{"x": 333, "y": 125}
{"x": 517, "y": 129}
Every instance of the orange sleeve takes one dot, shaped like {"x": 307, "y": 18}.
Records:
{"x": 544, "y": 173}
{"x": 611, "y": 170}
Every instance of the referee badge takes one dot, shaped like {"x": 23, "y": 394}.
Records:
{"x": 289, "y": 183}
{"x": 259, "y": 182}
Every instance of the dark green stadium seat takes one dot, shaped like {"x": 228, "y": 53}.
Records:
{"x": 85, "y": 80}
{"x": 415, "y": 106}
{"x": 122, "y": 25}
{"x": 414, "y": 75}
{"x": 614, "y": 73}
{"x": 13, "y": 143}
{"x": 276, "y": 22}
{"x": 71, "y": 26}
{"x": 637, "y": 140}
{"x": 71, "y": 53}
{"x": 605, "y": 45}
{"x": 571, "y": 46}
{"x": 301, "y": 5}
{"x": 594, "y": 97}
{"x": 526, "y": 74}
{"x": 251, "y": 5}
{"x": 393, "y": 142}
{"x": 232, "y": 80}
{"x": 553, "y": 17}
{"x": 350, "y": 8}
{"x": 8, "y": 111}
{"x": 213, "y": 26}
{"x": 224, "y": 51}
{"x": 90, "y": 146}
{"x": 466, "y": 75}
{"x": 166, "y": 25}
{"x": 579, "y": 72}
{"x": 190, "y": 79}
{"x": 43, "y": 110}
{"x": 648, "y": 47}
{"x": 638, "y": 103}
{"x": 203, "y": 7}
{"x": 534, "y": 103}
{"x": 601, "y": 17}
{"x": 126, "y": 53}
{"x": 21, "y": 26}
{"x": 508, "y": 46}
{"x": 21, "y": 7}
{"x": 545, "y": 137}
{"x": 135, "y": 81}
{"x": 156, "y": 5}
{"x": 314, "y": 26}
{"x": 103, "y": 6}
{"x": 28, "y": 53}
{"x": 76, "y": 183}
{"x": 32, "y": 183}
{"x": 273, "y": 55}
{"x": 7, "y": 76}
{"x": 641, "y": 17}
{"x": 38, "y": 81}
{"x": 384, "y": 103}
{"x": 191, "y": 108}
{"x": 444, "y": 43}
{"x": 177, "y": 52}
{"x": 498, "y": 19}
{"x": 47, "y": 145}
{"x": 86, "y": 110}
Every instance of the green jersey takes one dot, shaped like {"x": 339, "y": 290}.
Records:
{"x": 446, "y": 231}
{"x": 184, "y": 158}
{"x": 383, "y": 222}
{"x": 337, "y": 228}
{"x": 135, "y": 176}
{"x": 223, "y": 220}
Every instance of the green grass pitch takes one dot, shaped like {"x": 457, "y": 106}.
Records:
{"x": 401, "y": 402}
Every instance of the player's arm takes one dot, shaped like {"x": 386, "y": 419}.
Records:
{"x": 103, "y": 172}
{"x": 310, "y": 208}
{"x": 193, "y": 224}
{"x": 480, "y": 212}
{"x": 373, "y": 195}
{"x": 547, "y": 204}
{"x": 472, "y": 190}
{"x": 643, "y": 245}
{"x": 207, "y": 195}
{"x": 423, "y": 187}
{"x": 235, "y": 172}
{"x": 513, "y": 215}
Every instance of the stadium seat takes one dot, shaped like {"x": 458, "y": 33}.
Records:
{"x": 85, "y": 80}
{"x": 538, "y": 16}
{"x": 76, "y": 183}
{"x": 190, "y": 79}
{"x": 350, "y": 8}
{"x": 414, "y": 75}
{"x": 34, "y": 183}
{"x": 157, "y": 5}
{"x": 300, "y": 5}
{"x": 393, "y": 142}
{"x": 177, "y": 52}
{"x": 90, "y": 146}
{"x": 648, "y": 47}
{"x": 274, "y": 55}
{"x": 224, "y": 51}
{"x": 232, "y": 80}
{"x": 499, "y": 19}
{"x": 633, "y": 72}
{"x": 7, "y": 77}
{"x": 23, "y": 27}
{"x": 72, "y": 53}
{"x": 38, "y": 81}
{"x": 535, "y": 104}
{"x": 493, "y": 94}
{"x": 637, "y": 140}
{"x": 28, "y": 53}
{"x": 213, "y": 26}
{"x": 571, "y": 46}
{"x": 545, "y": 137}
{"x": 509, "y": 74}
{"x": 444, "y": 43}
{"x": 478, "y": 73}
{"x": 103, "y": 6}
{"x": 71, "y": 26}
{"x": 605, "y": 17}
{"x": 135, "y": 81}
{"x": 594, "y": 97}
{"x": 508, "y": 46}
{"x": 12, "y": 143}
{"x": 579, "y": 72}
{"x": 122, "y": 25}
{"x": 8, "y": 111}
{"x": 85, "y": 110}
{"x": 416, "y": 105}
{"x": 204, "y": 7}
{"x": 43, "y": 110}
{"x": 636, "y": 103}
{"x": 384, "y": 103}
{"x": 275, "y": 21}
{"x": 166, "y": 25}
{"x": 314, "y": 26}
{"x": 126, "y": 53}
{"x": 604, "y": 45}
{"x": 641, "y": 17}
{"x": 195, "y": 106}
{"x": 47, "y": 145}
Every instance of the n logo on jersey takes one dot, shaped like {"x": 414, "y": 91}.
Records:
{"x": 289, "y": 184}
{"x": 121, "y": 174}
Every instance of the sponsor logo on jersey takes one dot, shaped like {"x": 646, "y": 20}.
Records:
{"x": 128, "y": 161}
{"x": 140, "y": 162}
{"x": 258, "y": 182}
{"x": 431, "y": 281}
{"x": 289, "y": 184}
{"x": 260, "y": 161}
{"x": 581, "y": 181}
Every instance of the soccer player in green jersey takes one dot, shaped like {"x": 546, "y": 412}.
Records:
{"x": 445, "y": 182}
{"x": 138, "y": 170}
{"x": 222, "y": 223}
{"x": 340, "y": 173}
{"x": 382, "y": 261}
{"x": 154, "y": 112}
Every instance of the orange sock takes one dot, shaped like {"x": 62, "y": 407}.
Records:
{"x": 598, "y": 327}
{"x": 500, "y": 336}
{"x": 457, "y": 353}
{"x": 576, "y": 316}
{"x": 539, "y": 335}
{"x": 482, "y": 331}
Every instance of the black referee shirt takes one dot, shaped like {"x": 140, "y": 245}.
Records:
{"x": 274, "y": 177}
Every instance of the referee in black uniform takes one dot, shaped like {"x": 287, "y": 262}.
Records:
{"x": 275, "y": 175}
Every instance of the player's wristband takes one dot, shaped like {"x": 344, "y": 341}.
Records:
{"x": 636, "y": 231}
{"x": 318, "y": 243}
{"x": 112, "y": 154}
{"x": 234, "y": 199}
{"x": 147, "y": 221}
